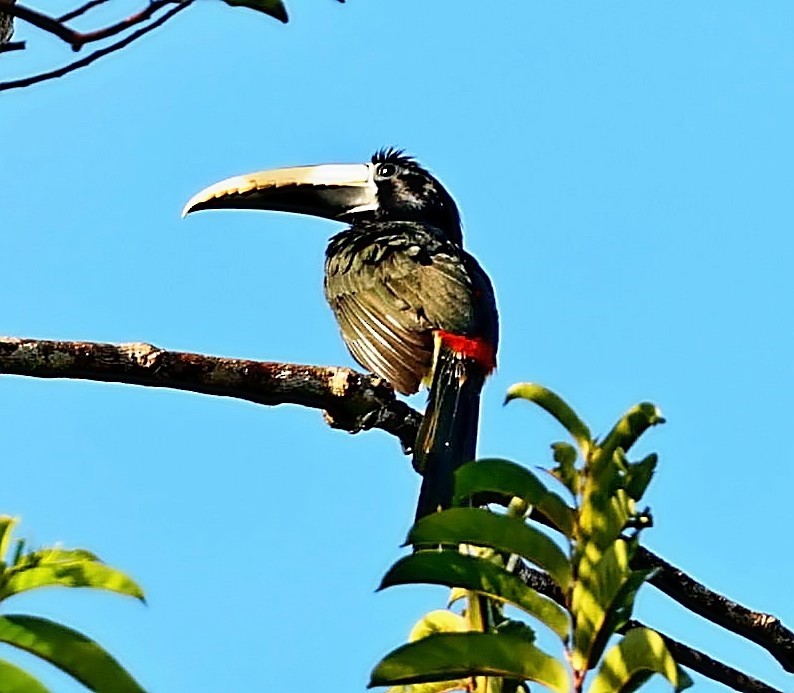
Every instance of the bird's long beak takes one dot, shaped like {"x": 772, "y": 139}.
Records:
{"x": 332, "y": 191}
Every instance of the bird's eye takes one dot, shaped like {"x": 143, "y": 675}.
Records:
{"x": 387, "y": 170}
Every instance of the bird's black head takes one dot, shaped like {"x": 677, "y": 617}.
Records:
{"x": 408, "y": 192}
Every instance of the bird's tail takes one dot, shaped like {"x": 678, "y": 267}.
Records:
{"x": 447, "y": 437}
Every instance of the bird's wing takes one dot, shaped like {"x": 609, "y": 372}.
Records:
{"x": 390, "y": 291}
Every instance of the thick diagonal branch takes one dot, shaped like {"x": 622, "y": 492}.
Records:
{"x": 683, "y": 654}
{"x": 352, "y": 401}
{"x": 763, "y": 629}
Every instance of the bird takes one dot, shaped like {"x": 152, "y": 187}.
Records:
{"x": 411, "y": 304}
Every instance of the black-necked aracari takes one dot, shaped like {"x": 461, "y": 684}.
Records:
{"x": 412, "y": 305}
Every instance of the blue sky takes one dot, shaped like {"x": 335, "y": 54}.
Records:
{"x": 624, "y": 171}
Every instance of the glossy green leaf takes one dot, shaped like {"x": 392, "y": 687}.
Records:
{"x": 70, "y": 651}
{"x": 684, "y": 679}
{"x": 273, "y": 8}
{"x": 435, "y": 687}
{"x": 75, "y": 573}
{"x": 620, "y": 611}
{"x": 603, "y": 514}
{"x": 47, "y": 556}
{"x": 7, "y": 524}
{"x": 456, "y": 655}
{"x": 438, "y": 621}
{"x": 639, "y": 475}
{"x": 59, "y": 555}
{"x": 455, "y": 569}
{"x": 484, "y": 528}
{"x": 19, "y": 549}
{"x": 600, "y": 579}
{"x": 640, "y": 654}
{"x": 16, "y": 680}
{"x": 455, "y": 594}
{"x": 634, "y": 423}
{"x": 510, "y": 479}
{"x": 517, "y": 629}
{"x": 556, "y": 406}
{"x": 565, "y": 472}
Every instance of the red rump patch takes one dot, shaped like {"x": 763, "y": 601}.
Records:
{"x": 475, "y": 348}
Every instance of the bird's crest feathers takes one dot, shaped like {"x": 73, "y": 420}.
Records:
{"x": 392, "y": 155}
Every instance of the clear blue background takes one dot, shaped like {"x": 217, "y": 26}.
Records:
{"x": 625, "y": 173}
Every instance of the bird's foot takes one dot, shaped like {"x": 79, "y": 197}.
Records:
{"x": 396, "y": 418}
{"x": 374, "y": 418}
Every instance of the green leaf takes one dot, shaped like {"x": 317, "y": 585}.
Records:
{"x": 51, "y": 555}
{"x": 16, "y": 680}
{"x": 70, "y": 651}
{"x": 455, "y": 594}
{"x": 557, "y": 407}
{"x": 59, "y": 555}
{"x": 456, "y": 655}
{"x": 435, "y": 687}
{"x": 273, "y": 8}
{"x": 517, "y": 629}
{"x": 621, "y": 608}
{"x": 565, "y": 472}
{"x": 7, "y": 524}
{"x": 511, "y": 479}
{"x": 484, "y": 528}
{"x": 454, "y": 569}
{"x": 684, "y": 679}
{"x": 639, "y": 655}
{"x": 634, "y": 423}
{"x": 599, "y": 577}
{"x": 19, "y": 550}
{"x": 602, "y": 599}
{"x": 75, "y": 573}
{"x": 605, "y": 509}
{"x": 438, "y": 621}
{"x": 639, "y": 475}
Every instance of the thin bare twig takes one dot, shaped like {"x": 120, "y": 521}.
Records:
{"x": 77, "y": 12}
{"x": 12, "y": 46}
{"x": 123, "y": 25}
{"x": 96, "y": 55}
{"x": 352, "y": 401}
{"x": 42, "y": 21}
{"x": 77, "y": 39}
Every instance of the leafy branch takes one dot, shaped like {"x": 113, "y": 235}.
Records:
{"x": 23, "y": 570}
{"x": 474, "y": 551}
{"x": 353, "y": 402}
{"x": 585, "y": 595}
{"x": 685, "y": 655}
